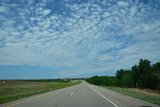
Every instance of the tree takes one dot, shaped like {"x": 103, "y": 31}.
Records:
{"x": 119, "y": 76}
{"x": 127, "y": 79}
{"x": 156, "y": 73}
{"x": 103, "y": 80}
{"x": 136, "y": 77}
{"x": 142, "y": 74}
{"x": 156, "y": 70}
{"x": 124, "y": 78}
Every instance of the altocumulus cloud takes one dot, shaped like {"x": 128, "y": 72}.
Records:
{"x": 89, "y": 36}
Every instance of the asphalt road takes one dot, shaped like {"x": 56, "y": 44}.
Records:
{"x": 82, "y": 95}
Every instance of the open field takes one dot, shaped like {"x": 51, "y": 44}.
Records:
{"x": 152, "y": 96}
{"x": 13, "y": 90}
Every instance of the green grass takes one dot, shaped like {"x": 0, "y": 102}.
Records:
{"x": 19, "y": 89}
{"x": 137, "y": 94}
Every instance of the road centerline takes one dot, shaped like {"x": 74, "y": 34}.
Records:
{"x": 71, "y": 94}
{"x": 103, "y": 96}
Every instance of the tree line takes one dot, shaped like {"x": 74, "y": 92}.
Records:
{"x": 141, "y": 75}
{"x": 39, "y": 80}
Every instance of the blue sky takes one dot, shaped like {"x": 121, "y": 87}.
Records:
{"x": 76, "y": 38}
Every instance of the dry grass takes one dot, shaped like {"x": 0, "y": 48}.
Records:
{"x": 146, "y": 91}
{"x": 143, "y": 94}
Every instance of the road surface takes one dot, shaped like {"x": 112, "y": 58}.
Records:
{"x": 82, "y": 95}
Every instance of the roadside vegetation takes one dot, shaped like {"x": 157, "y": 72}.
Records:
{"x": 16, "y": 89}
{"x": 141, "y": 76}
{"x": 148, "y": 95}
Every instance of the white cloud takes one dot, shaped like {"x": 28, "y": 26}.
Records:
{"x": 122, "y": 3}
{"x": 46, "y": 12}
{"x": 90, "y": 38}
{"x": 105, "y": 57}
{"x": 3, "y": 9}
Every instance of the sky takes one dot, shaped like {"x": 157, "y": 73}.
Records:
{"x": 76, "y": 38}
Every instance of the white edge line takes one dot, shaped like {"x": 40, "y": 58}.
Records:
{"x": 103, "y": 96}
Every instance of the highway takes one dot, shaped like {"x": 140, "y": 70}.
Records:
{"x": 81, "y": 95}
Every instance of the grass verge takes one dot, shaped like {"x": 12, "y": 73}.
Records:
{"x": 153, "y": 98}
{"x": 21, "y": 89}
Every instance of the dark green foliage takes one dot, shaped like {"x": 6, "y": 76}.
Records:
{"x": 143, "y": 75}
{"x": 156, "y": 73}
{"x": 124, "y": 78}
{"x": 127, "y": 80}
{"x": 103, "y": 80}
